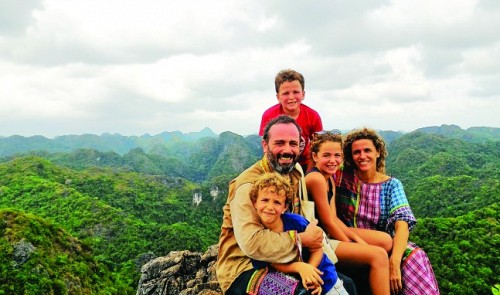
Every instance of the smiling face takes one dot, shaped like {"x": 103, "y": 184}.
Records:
{"x": 282, "y": 147}
{"x": 270, "y": 204}
{"x": 365, "y": 155}
{"x": 290, "y": 96}
{"x": 328, "y": 158}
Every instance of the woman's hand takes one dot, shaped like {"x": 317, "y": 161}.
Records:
{"x": 359, "y": 240}
{"x": 399, "y": 245}
{"x": 395, "y": 275}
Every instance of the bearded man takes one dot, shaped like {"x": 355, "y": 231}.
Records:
{"x": 242, "y": 235}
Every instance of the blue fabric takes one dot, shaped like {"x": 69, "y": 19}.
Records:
{"x": 394, "y": 206}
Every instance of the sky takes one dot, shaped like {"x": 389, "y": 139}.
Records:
{"x": 149, "y": 66}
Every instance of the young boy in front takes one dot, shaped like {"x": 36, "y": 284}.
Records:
{"x": 289, "y": 85}
{"x": 271, "y": 195}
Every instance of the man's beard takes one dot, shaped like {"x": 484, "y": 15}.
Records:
{"x": 280, "y": 168}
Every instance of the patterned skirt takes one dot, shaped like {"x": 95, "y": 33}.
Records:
{"x": 265, "y": 282}
{"x": 417, "y": 274}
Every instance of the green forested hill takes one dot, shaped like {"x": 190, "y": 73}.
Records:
{"x": 197, "y": 161}
{"x": 455, "y": 185}
{"x": 464, "y": 250}
{"x": 446, "y": 177}
{"x": 39, "y": 257}
{"x": 119, "y": 215}
{"x": 125, "y": 208}
{"x": 473, "y": 134}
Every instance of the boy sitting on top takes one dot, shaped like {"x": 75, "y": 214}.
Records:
{"x": 290, "y": 92}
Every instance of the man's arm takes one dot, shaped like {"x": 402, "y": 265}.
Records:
{"x": 312, "y": 237}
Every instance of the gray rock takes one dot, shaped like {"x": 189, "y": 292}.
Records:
{"x": 22, "y": 252}
{"x": 180, "y": 273}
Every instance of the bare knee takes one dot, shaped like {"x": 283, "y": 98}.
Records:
{"x": 380, "y": 259}
{"x": 386, "y": 242}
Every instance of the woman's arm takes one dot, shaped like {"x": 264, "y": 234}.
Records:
{"x": 400, "y": 241}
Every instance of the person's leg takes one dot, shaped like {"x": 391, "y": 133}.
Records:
{"x": 239, "y": 285}
{"x": 375, "y": 237}
{"x": 359, "y": 276}
{"x": 354, "y": 254}
{"x": 338, "y": 289}
{"x": 349, "y": 284}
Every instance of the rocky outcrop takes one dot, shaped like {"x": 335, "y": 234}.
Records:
{"x": 22, "y": 252}
{"x": 180, "y": 273}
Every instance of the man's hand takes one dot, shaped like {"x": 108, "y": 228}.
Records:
{"x": 312, "y": 237}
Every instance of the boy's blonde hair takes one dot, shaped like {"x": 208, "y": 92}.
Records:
{"x": 281, "y": 183}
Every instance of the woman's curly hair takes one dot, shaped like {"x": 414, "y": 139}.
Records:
{"x": 372, "y": 135}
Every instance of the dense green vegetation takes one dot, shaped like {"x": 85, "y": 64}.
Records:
{"x": 92, "y": 213}
{"x": 455, "y": 185}
{"x": 446, "y": 177}
{"x": 119, "y": 215}
{"x": 45, "y": 259}
{"x": 464, "y": 250}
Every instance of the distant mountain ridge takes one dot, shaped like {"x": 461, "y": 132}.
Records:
{"x": 106, "y": 142}
{"x": 197, "y": 161}
{"x": 472, "y": 134}
{"x": 123, "y": 144}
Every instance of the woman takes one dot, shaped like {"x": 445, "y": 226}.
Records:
{"x": 326, "y": 155}
{"x": 367, "y": 198}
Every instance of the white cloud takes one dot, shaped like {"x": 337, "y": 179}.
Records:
{"x": 136, "y": 67}
{"x": 481, "y": 61}
{"x": 424, "y": 13}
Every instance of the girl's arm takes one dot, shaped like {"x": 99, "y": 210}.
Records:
{"x": 350, "y": 234}
{"x": 317, "y": 189}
